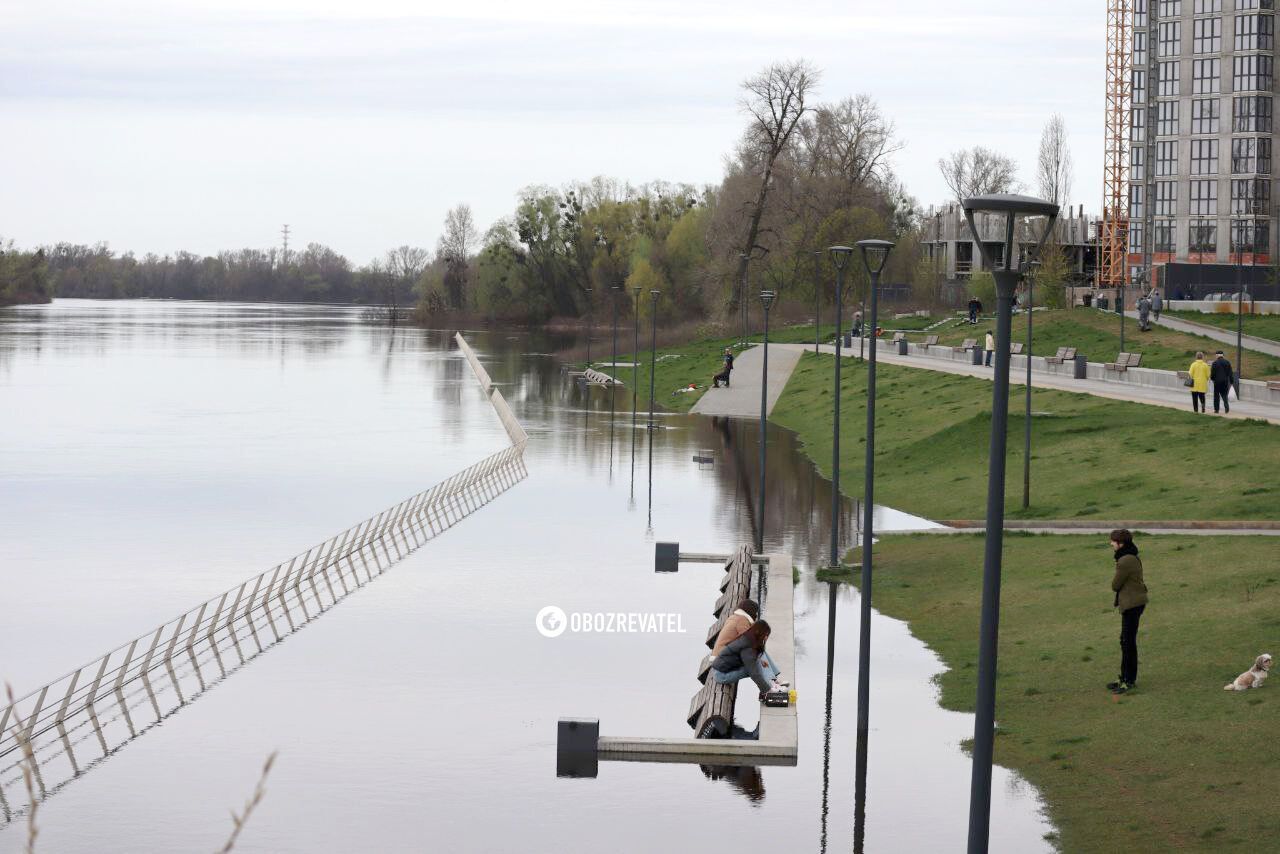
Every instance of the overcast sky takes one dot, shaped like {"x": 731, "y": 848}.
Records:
{"x": 202, "y": 125}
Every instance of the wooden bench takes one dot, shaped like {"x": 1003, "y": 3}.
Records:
{"x": 965, "y": 345}
{"x": 1016, "y": 348}
{"x": 899, "y": 336}
{"x": 711, "y": 709}
{"x": 929, "y": 341}
{"x": 599, "y": 378}
{"x": 1064, "y": 354}
{"x": 1124, "y": 362}
{"x": 1273, "y": 385}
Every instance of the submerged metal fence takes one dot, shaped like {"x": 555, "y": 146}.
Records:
{"x": 239, "y": 623}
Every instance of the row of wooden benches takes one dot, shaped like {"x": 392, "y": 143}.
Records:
{"x": 711, "y": 709}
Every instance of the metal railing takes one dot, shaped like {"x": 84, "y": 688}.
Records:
{"x": 245, "y": 620}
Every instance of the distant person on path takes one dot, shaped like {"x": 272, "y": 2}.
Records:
{"x": 990, "y": 347}
{"x": 742, "y": 618}
{"x": 1157, "y": 303}
{"x": 975, "y": 308}
{"x": 1131, "y": 599}
{"x": 745, "y": 657}
{"x": 1144, "y": 313}
{"x": 1223, "y": 376}
{"x": 857, "y": 324}
{"x": 723, "y": 376}
{"x": 1199, "y": 372}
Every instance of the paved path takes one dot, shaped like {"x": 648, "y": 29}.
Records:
{"x": 1169, "y": 398}
{"x": 742, "y": 398}
{"x": 1217, "y": 333}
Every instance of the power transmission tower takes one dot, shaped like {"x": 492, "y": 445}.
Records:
{"x": 1113, "y": 240}
{"x": 284, "y": 232}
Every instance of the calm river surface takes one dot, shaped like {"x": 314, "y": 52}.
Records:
{"x": 155, "y": 453}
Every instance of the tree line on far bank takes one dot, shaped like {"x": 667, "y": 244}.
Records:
{"x": 803, "y": 175}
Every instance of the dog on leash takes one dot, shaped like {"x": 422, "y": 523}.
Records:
{"x": 1253, "y": 677}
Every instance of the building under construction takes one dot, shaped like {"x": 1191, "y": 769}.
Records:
{"x": 1196, "y": 91}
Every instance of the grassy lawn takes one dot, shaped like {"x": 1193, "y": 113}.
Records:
{"x": 1097, "y": 335}
{"x": 1177, "y": 764}
{"x": 1092, "y": 458}
{"x": 1259, "y": 325}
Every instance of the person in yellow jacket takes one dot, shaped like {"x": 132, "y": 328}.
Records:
{"x": 1199, "y": 372}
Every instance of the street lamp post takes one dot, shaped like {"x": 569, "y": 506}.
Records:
{"x": 1239, "y": 326}
{"x": 613, "y": 368}
{"x": 590, "y": 323}
{"x": 766, "y": 299}
{"x": 653, "y": 352}
{"x": 1026, "y": 450}
{"x": 1120, "y": 295}
{"x": 874, "y": 255}
{"x": 635, "y": 349}
{"x": 1010, "y": 207}
{"x": 840, "y": 258}
{"x": 742, "y": 297}
{"x": 817, "y": 301}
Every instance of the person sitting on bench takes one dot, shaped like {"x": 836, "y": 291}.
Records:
{"x": 738, "y": 622}
{"x": 723, "y": 376}
{"x": 745, "y": 656}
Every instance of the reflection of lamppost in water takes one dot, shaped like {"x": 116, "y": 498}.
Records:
{"x": 635, "y": 356}
{"x": 1010, "y": 208}
{"x": 590, "y": 323}
{"x": 840, "y": 258}
{"x": 766, "y": 299}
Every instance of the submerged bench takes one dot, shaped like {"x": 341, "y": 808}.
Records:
{"x": 1124, "y": 362}
{"x": 711, "y": 709}
{"x": 599, "y": 377}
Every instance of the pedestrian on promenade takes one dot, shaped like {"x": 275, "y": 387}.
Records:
{"x": 857, "y": 324}
{"x": 1157, "y": 303}
{"x": 1199, "y": 381}
{"x": 1144, "y": 313}
{"x": 1223, "y": 376}
{"x": 723, "y": 376}
{"x": 1131, "y": 600}
{"x": 746, "y": 657}
{"x": 990, "y": 347}
{"x": 975, "y": 308}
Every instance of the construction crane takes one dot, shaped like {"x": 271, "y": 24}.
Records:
{"x": 1113, "y": 239}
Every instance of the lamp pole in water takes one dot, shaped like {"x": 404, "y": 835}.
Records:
{"x": 653, "y": 353}
{"x": 1009, "y": 208}
{"x": 840, "y": 258}
{"x": 590, "y": 319}
{"x": 766, "y": 300}
{"x": 635, "y": 359}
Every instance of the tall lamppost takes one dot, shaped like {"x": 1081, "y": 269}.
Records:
{"x": 766, "y": 299}
{"x": 635, "y": 349}
{"x": 1026, "y": 450}
{"x": 840, "y": 258}
{"x": 1120, "y": 295}
{"x": 1239, "y": 325}
{"x": 1010, "y": 207}
{"x": 875, "y": 253}
{"x": 613, "y": 368}
{"x": 817, "y": 301}
{"x": 590, "y": 323}
{"x": 653, "y": 354}
{"x": 742, "y": 297}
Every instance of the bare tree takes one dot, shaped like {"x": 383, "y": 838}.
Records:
{"x": 456, "y": 246}
{"x": 1053, "y": 166}
{"x": 774, "y": 100}
{"x": 403, "y": 266}
{"x": 849, "y": 142}
{"x": 977, "y": 171}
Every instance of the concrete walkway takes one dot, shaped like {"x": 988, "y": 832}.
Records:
{"x": 742, "y": 398}
{"x": 1169, "y": 398}
{"x": 1217, "y": 333}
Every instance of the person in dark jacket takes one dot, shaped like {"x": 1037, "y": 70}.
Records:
{"x": 1131, "y": 599}
{"x": 745, "y": 657}
{"x": 1222, "y": 376}
{"x": 723, "y": 376}
{"x": 975, "y": 308}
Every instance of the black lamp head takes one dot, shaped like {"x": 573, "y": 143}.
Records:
{"x": 840, "y": 256}
{"x": 767, "y": 298}
{"x": 1035, "y": 215}
{"x": 875, "y": 254}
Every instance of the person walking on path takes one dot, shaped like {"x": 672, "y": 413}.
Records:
{"x": 1131, "y": 600}
{"x": 989, "y": 346}
{"x": 1157, "y": 303}
{"x": 1144, "y": 313}
{"x": 1223, "y": 376}
{"x": 975, "y": 308}
{"x": 1199, "y": 372}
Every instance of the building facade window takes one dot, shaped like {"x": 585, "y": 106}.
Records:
{"x": 1251, "y": 114}
{"x": 1138, "y": 125}
{"x": 1251, "y": 72}
{"x": 1164, "y": 236}
{"x": 1167, "y": 118}
{"x": 1206, "y": 35}
{"x": 1245, "y": 5}
{"x": 1170, "y": 38}
{"x": 1167, "y": 157}
{"x": 1139, "y": 89}
{"x": 1250, "y": 196}
{"x": 1203, "y": 235}
{"x": 1135, "y": 236}
{"x": 1205, "y": 76}
{"x": 1140, "y": 15}
{"x": 1255, "y": 32}
{"x": 1135, "y": 201}
{"x": 1167, "y": 85}
{"x": 1251, "y": 155}
{"x": 1250, "y": 235}
{"x": 1204, "y": 157}
{"x": 1205, "y": 115}
{"x": 1166, "y": 198}
{"x": 1204, "y": 198}
{"x": 1170, "y": 8}
{"x": 1139, "y": 47}
{"x": 1137, "y": 160}
{"x": 1207, "y": 7}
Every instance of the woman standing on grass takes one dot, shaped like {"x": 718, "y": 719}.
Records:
{"x": 1131, "y": 599}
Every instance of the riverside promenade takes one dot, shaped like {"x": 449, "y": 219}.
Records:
{"x": 1217, "y": 333}
{"x": 742, "y": 398}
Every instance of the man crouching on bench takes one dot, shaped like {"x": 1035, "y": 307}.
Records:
{"x": 723, "y": 376}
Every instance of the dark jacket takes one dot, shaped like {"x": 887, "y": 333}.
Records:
{"x": 1128, "y": 585}
{"x": 741, "y": 655}
{"x": 1220, "y": 371}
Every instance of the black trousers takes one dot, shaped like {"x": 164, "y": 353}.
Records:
{"x": 1197, "y": 401}
{"x": 1220, "y": 393}
{"x": 1129, "y": 643}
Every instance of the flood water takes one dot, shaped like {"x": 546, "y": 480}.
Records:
{"x": 155, "y": 453}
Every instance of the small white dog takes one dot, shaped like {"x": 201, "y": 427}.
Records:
{"x": 1253, "y": 677}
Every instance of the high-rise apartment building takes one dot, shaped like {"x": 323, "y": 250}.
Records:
{"x": 1202, "y": 136}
